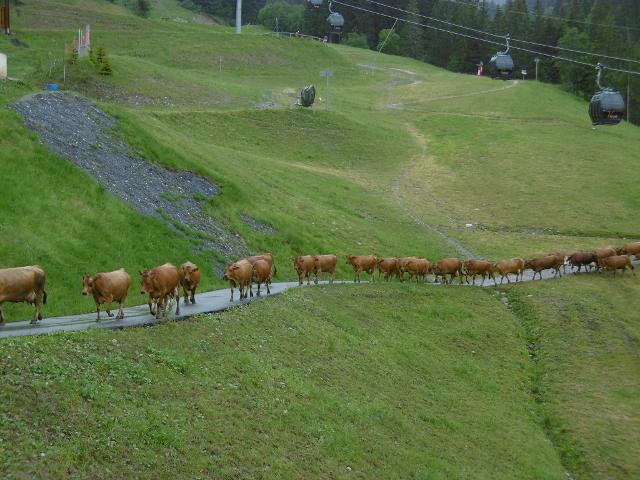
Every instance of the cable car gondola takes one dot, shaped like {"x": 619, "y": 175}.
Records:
{"x": 336, "y": 21}
{"x": 501, "y": 64}
{"x": 607, "y": 106}
{"x": 315, "y": 3}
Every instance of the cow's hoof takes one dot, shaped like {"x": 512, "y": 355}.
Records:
{"x": 97, "y": 320}
{"x": 186, "y": 301}
{"x": 33, "y": 322}
{"x": 110, "y": 314}
{"x": 193, "y": 300}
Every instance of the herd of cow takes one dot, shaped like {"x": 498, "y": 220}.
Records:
{"x": 161, "y": 284}
{"x": 606, "y": 258}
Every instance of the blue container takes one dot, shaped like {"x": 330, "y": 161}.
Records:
{"x": 52, "y": 87}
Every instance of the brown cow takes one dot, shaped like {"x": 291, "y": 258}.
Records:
{"x": 475, "y": 267}
{"x": 582, "y": 259}
{"x": 362, "y": 263}
{"x": 305, "y": 265}
{"x": 546, "y": 262}
{"x": 616, "y": 262}
{"x": 325, "y": 263}
{"x": 239, "y": 275}
{"x": 262, "y": 274}
{"x": 604, "y": 252}
{"x": 189, "y": 279}
{"x": 417, "y": 267}
{"x": 507, "y": 266}
{"x": 388, "y": 267}
{"x": 23, "y": 284}
{"x": 268, "y": 256}
{"x": 161, "y": 284}
{"x": 630, "y": 249}
{"x": 107, "y": 287}
{"x": 402, "y": 266}
{"x": 447, "y": 266}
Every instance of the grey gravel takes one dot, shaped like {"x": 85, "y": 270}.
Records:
{"x": 256, "y": 225}
{"x": 76, "y": 130}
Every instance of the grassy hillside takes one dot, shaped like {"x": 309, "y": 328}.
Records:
{"x": 371, "y": 381}
{"x": 404, "y": 147}
{"x": 341, "y": 382}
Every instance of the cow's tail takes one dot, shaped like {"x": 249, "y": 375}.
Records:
{"x": 40, "y": 286}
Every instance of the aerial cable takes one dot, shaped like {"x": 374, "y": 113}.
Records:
{"x": 482, "y": 32}
{"x": 522, "y": 49}
{"x": 388, "y": 35}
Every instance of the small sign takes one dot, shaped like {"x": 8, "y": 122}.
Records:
{"x": 326, "y": 73}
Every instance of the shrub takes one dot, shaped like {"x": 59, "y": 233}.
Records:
{"x": 355, "y": 39}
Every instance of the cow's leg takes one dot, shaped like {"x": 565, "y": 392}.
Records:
{"x": 251, "y": 289}
{"x": 268, "y": 287}
{"x": 231, "y": 300}
{"x": 109, "y": 301}
{"x": 177, "y": 297}
{"x": 38, "y": 305}
{"x": 150, "y": 302}
{"x": 258, "y": 289}
{"x": 193, "y": 295}
{"x": 159, "y": 303}
{"x": 300, "y": 277}
{"x": 121, "y": 309}
{"x": 186, "y": 295}
{"x": 97, "y": 310}
{"x": 317, "y": 274}
{"x": 1, "y": 316}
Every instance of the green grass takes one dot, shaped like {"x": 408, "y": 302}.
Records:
{"x": 367, "y": 382}
{"x": 585, "y": 336}
{"x": 390, "y": 381}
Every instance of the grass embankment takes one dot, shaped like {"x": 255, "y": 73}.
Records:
{"x": 365, "y": 382}
{"x": 584, "y": 333}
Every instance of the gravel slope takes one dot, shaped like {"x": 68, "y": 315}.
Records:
{"x": 76, "y": 130}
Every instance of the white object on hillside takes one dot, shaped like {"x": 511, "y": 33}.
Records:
{"x": 3, "y": 66}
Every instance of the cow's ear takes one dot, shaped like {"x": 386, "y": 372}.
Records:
{"x": 195, "y": 269}
{"x": 141, "y": 272}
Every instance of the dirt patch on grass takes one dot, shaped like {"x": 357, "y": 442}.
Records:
{"x": 76, "y": 130}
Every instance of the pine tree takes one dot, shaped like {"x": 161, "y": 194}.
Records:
{"x": 576, "y": 13}
{"x": 101, "y": 55}
{"x": 411, "y": 35}
{"x": 105, "y": 67}
{"x": 73, "y": 57}
{"x": 604, "y": 36}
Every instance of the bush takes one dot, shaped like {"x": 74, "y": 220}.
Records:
{"x": 142, "y": 8}
{"x": 355, "y": 39}
{"x": 389, "y": 42}
{"x": 290, "y": 17}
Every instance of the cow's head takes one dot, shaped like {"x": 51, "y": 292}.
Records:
{"x": 229, "y": 271}
{"x": 350, "y": 259}
{"x": 87, "y": 284}
{"x": 145, "y": 282}
{"x": 188, "y": 271}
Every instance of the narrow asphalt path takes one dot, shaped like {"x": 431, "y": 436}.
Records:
{"x": 208, "y": 302}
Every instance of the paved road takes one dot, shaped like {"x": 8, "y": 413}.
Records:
{"x": 209, "y": 302}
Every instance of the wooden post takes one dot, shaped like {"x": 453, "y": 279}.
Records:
{"x": 6, "y": 21}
